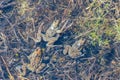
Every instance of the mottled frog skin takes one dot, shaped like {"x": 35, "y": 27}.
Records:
{"x": 53, "y": 32}
{"x": 35, "y": 64}
{"x": 35, "y": 59}
{"x": 74, "y": 50}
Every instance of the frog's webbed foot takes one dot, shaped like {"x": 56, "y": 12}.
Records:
{"x": 21, "y": 70}
{"x": 20, "y": 73}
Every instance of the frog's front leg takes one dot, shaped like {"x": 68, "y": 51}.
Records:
{"x": 40, "y": 67}
{"x": 44, "y": 37}
{"x": 52, "y": 40}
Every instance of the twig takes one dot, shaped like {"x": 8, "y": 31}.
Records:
{"x": 11, "y": 25}
{"x": 10, "y": 75}
{"x": 87, "y": 32}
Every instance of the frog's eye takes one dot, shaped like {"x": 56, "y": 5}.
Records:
{"x": 37, "y": 50}
{"x": 78, "y": 44}
{"x": 52, "y": 27}
{"x": 56, "y": 21}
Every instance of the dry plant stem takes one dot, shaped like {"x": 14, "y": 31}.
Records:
{"x": 68, "y": 27}
{"x": 7, "y": 20}
{"x": 10, "y": 75}
{"x": 1, "y": 6}
{"x": 84, "y": 34}
{"x": 22, "y": 78}
{"x": 90, "y": 5}
{"x": 90, "y": 70}
{"x": 3, "y": 37}
{"x": 117, "y": 54}
{"x": 33, "y": 24}
{"x": 1, "y": 51}
{"x": 38, "y": 34}
{"x": 64, "y": 25}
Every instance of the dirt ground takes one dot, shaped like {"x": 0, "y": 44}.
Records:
{"x": 59, "y": 39}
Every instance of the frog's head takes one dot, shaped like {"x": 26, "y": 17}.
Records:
{"x": 38, "y": 51}
{"x": 54, "y": 24}
{"x": 81, "y": 42}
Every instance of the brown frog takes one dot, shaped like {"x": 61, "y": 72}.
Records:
{"x": 53, "y": 30}
{"x": 35, "y": 64}
{"x": 74, "y": 50}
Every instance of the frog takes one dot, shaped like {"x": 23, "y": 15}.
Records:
{"x": 53, "y": 32}
{"x": 35, "y": 64}
{"x": 74, "y": 51}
